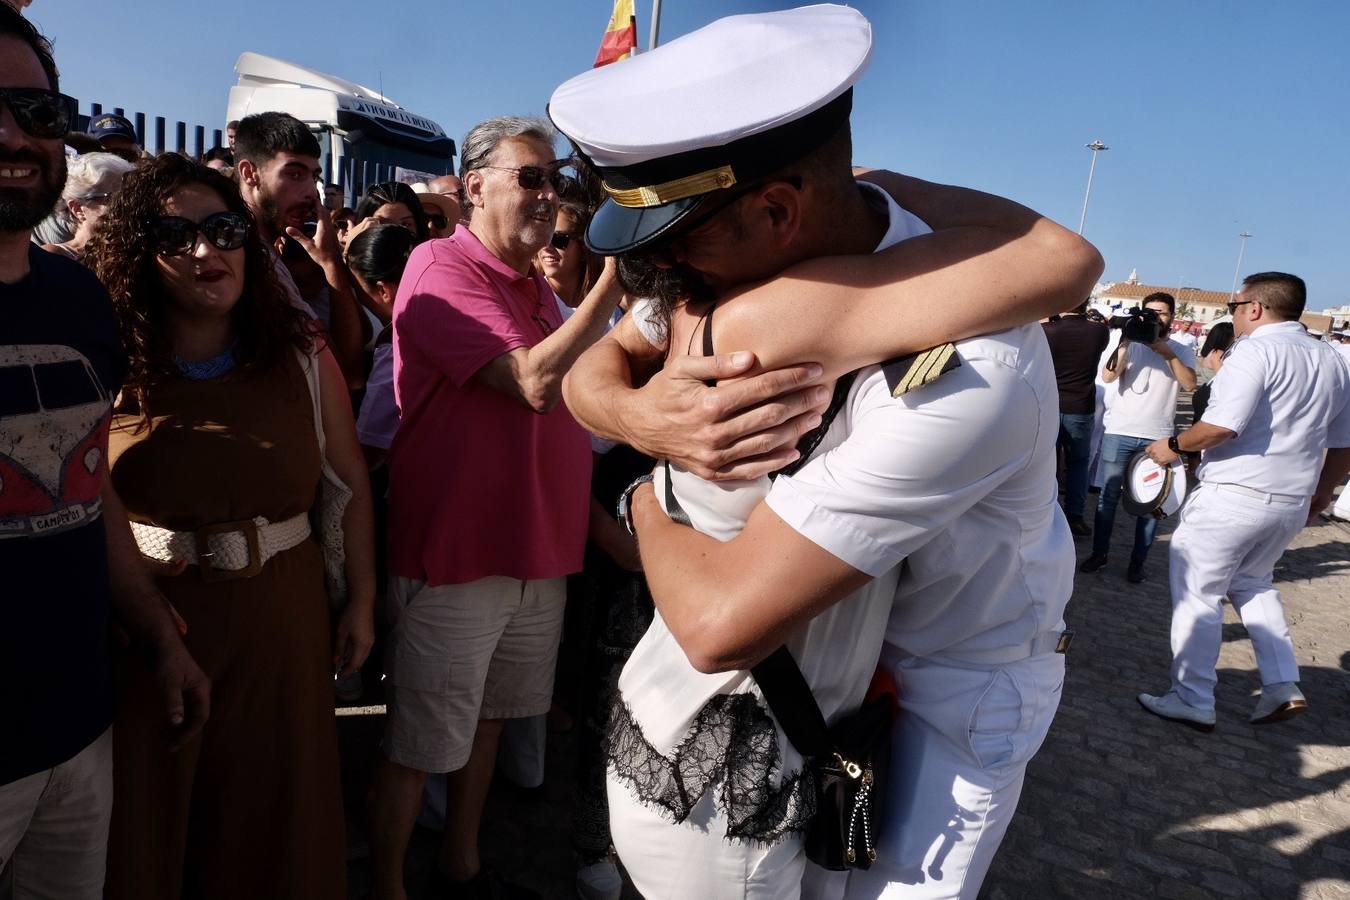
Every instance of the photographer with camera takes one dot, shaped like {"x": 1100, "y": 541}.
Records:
{"x": 1145, "y": 373}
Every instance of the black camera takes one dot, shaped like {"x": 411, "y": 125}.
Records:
{"x": 1143, "y": 326}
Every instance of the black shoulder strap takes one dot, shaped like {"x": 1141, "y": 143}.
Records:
{"x": 793, "y": 705}
{"x": 707, "y": 331}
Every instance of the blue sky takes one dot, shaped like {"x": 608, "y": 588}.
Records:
{"x": 1221, "y": 116}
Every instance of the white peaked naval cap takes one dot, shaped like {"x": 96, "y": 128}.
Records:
{"x": 712, "y": 110}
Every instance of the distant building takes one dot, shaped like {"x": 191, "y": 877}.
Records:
{"x": 1339, "y": 314}
{"x": 1197, "y": 309}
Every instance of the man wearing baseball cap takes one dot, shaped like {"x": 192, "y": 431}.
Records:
{"x": 726, "y": 157}
{"x": 117, "y": 135}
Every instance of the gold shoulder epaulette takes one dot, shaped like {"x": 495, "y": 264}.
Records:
{"x": 905, "y": 373}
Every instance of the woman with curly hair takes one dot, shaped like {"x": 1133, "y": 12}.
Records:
{"x": 214, "y": 451}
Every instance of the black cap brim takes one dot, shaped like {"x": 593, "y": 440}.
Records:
{"x": 616, "y": 229}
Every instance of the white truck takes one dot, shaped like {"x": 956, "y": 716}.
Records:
{"x": 364, "y": 137}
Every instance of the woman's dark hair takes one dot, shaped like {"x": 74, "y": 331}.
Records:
{"x": 122, "y": 254}
{"x": 1220, "y": 338}
{"x": 378, "y": 195}
{"x": 380, "y": 253}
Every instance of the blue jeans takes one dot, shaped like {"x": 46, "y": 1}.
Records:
{"x": 1116, "y": 452}
{"x": 1075, "y": 439}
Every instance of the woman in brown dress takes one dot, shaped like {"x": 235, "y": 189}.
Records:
{"x": 215, "y": 454}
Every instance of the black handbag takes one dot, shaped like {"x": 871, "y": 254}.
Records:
{"x": 850, "y": 763}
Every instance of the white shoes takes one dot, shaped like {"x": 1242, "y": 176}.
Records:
{"x": 1170, "y": 706}
{"x": 1278, "y": 702}
{"x": 599, "y": 881}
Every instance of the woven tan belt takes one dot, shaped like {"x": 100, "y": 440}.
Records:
{"x": 224, "y": 551}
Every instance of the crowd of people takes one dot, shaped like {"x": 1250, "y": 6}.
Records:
{"x": 263, "y": 452}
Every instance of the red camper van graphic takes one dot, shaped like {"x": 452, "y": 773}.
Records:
{"x": 54, "y": 418}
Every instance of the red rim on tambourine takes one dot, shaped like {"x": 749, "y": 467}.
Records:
{"x": 1151, "y": 489}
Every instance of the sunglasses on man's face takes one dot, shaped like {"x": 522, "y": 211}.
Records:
{"x": 562, "y": 240}
{"x": 437, "y": 221}
{"x": 41, "y": 113}
{"x": 175, "y": 235}
{"x": 532, "y": 178}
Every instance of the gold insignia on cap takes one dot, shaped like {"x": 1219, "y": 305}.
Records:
{"x": 670, "y": 191}
{"x": 906, "y": 373}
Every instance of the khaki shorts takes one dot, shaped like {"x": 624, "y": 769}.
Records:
{"x": 462, "y": 652}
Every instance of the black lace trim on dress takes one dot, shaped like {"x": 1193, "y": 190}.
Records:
{"x": 732, "y": 740}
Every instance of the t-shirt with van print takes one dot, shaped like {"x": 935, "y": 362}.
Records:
{"x": 61, "y": 365}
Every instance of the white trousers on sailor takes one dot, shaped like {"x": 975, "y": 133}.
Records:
{"x": 694, "y": 858}
{"x": 962, "y": 744}
{"x": 1227, "y": 545}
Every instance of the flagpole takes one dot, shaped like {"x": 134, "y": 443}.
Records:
{"x": 655, "y": 34}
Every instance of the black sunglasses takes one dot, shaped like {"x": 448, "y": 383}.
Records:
{"x": 41, "y": 113}
{"x": 562, "y": 240}
{"x": 1232, "y": 307}
{"x": 532, "y": 178}
{"x": 437, "y": 221}
{"x": 175, "y": 235}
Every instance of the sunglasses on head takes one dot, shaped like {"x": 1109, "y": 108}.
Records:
{"x": 532, "y": 178}
{"x": 562, "y": 240}
{"x": 41, "y": 113}
{"x": 175, "y": 235}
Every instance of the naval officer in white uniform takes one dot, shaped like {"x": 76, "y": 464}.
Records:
{"x": 948, "y": 489}
{"x": 1277, "y": 405}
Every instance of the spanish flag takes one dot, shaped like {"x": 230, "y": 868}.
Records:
{"x": 620, "y": 38}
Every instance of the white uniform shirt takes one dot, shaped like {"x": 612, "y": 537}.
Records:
{"x": 1144, "y": 398}
{"x": 1288, "y": 399}
{"x": 957, "y": 480}
{"x": 1344, "y": 350}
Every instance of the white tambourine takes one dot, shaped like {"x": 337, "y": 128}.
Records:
{"x": 1151, "y": 489}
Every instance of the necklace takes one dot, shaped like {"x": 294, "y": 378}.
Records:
{"x": 206, "y": 369}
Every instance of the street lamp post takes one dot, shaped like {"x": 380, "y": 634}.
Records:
{"x": 1238, "y": 268}
{"x": 1096, "y": 147}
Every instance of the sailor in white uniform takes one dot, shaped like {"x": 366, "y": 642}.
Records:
{"x": 943, "y": 494}
{"x": 1277, "y": 405}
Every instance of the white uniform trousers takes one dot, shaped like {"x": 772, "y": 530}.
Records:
{"x": 1227, "y": 545}
{"x": 962, "y": 744}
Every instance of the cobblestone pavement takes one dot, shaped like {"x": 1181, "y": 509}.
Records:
{"x": 1122, "y": 804}
{"x": 1118, "y": 803}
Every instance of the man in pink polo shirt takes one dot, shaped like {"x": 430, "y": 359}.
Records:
{"x": 488, "y": 499}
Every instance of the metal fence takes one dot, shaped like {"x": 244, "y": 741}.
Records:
{"x": 363, "y": 165}
{"x": 160, "y": 132}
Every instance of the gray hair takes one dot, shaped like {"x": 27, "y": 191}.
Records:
{"x": 483, "y": 138}
{"x": 83, "y": 174}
